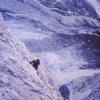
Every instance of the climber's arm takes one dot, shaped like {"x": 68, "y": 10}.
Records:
{"x": 31, "y": 62}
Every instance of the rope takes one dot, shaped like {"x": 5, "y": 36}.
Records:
{"x": 43, "y": 51}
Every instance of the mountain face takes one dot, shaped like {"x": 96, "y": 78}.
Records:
{"x": 27, "y": 17}
{"x": 85, "y": 88}
{"x": 71, "y": 7}
{"x": 66, "y": 36}
{"x": 18, "y": 79}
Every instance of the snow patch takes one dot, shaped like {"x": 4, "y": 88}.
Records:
{"x": 65, "y": 77}
{"x": 61, "y": 1}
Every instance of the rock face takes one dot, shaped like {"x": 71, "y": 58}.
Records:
{"x": 65, "y": 92}
{"x": 95, "y": 95}
{"x": 70, "y": 7}
{"x": 85, "y": 88}
{"x": 18, "y": 79}
{"x": 65, "y": 34}
{"x": 32, "y": 17}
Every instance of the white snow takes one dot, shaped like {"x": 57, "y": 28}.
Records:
{"x": 79, "y": 21}
{"x": 65, "y": 77}
{"x": 61, "y": 1}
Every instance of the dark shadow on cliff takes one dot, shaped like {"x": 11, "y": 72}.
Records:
{"x": 65, "y": 92}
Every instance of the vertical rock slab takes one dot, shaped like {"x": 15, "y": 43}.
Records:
{"x": 18, "y": 79}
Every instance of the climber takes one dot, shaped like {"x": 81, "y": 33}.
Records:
{"x": 35, "y": 63}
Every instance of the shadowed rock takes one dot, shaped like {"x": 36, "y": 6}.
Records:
{"x": 65, "y": 92}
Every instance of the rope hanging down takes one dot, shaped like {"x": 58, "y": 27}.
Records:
{"x": 43, "y": 51}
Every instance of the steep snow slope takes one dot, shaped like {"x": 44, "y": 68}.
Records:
{"x": 18, "y": 79}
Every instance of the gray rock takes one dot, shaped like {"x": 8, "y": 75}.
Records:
{"x": 85, "y": 88}
{"x": 18, "y": 79}
{"x": 94, "y": 95}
